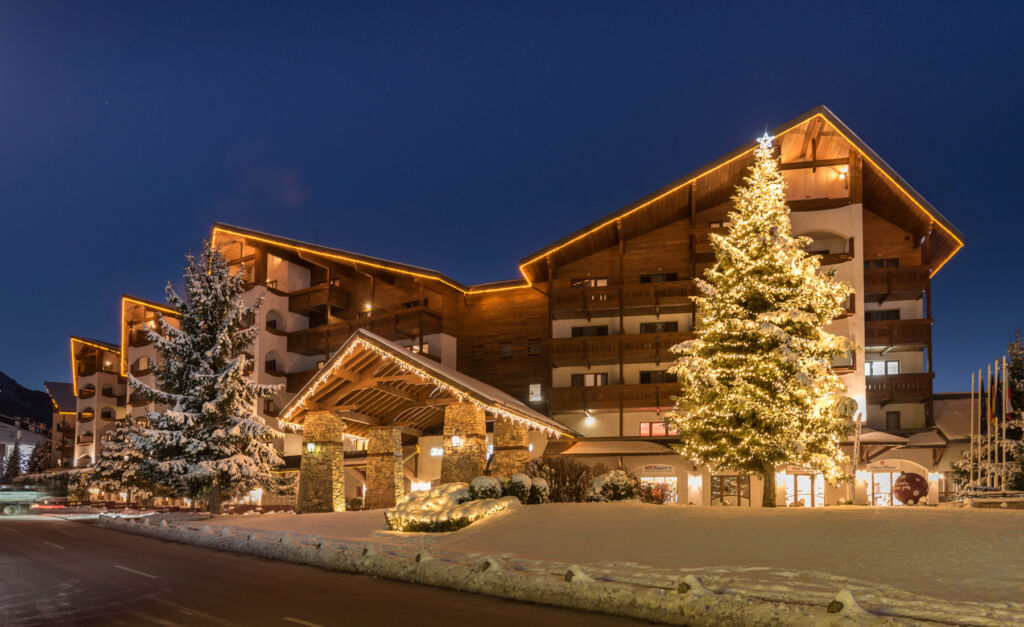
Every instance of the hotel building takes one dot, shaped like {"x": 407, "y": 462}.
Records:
{"x": 406, "y": 376}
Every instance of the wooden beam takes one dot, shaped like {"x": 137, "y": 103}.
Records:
{"x": 402, "y": 394}
{"x": 818, "y": 163}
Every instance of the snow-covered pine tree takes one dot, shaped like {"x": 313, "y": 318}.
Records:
{"x": 120, "y": 465}
{"x": 757, "y": 386}
{"x": 1013, "y": 445}
{"x": 41, "y": 459}
{"x": 12, "y": 465}
{"x": 209, "y": 442}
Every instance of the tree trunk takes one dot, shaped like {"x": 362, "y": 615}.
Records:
{"x": 213, "y": 501}
{"x": 768, "y": 498}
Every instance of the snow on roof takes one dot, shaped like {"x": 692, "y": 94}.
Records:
{"x": 616, "y": 447}
{"x": 926, "y": 438}
{"x": 953, "y": 416}
{"x": 870, "y": 436}
{"x": 483, "y": 393}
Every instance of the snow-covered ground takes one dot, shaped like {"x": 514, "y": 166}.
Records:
{"x": 960, "y": 566}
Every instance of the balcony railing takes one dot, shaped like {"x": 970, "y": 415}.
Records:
{"x": 86, "y": 416}
{"x": 88, "y": 391}
{"x": 899, "y": 388}
{"x": 609, "y": 349}
{"x": 897, "y": 333}
{"x": 394, "y": 325}
{"x": 610, "y": 397}
{"x": 632, "y": 298}
{"x": 85, "y": 439}
{"x": 318, "y": 297}
{"x": 906, "y": 282}
{"x": 139, "y": 337}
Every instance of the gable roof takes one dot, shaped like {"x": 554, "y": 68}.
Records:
{"x": 62, "y": 395}
{"x": 432, "y": 373}
{"x": 734, "y": 163}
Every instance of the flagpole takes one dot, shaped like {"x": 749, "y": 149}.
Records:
{"x": 988, "y": 417}
{"x": 1005, "y": 403}
{"x": 971, "y": 475}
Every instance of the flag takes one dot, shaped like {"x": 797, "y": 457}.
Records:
{"x": 983, "y": 415}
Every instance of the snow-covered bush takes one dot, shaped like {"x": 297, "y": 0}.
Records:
{"x": 519, "y": 485}
{"x": 616, "y": 485}
{"x": 355, "y": 504}
{"x": 568, "y": 479}
{"x": 444, "y": 508}
{"x": 485, "y": 488}
{"x": 539, "y": 491}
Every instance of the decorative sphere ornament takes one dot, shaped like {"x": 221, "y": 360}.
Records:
{"x": 910, "y": 488}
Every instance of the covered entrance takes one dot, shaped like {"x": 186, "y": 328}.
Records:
{"x": 386, "y": 397}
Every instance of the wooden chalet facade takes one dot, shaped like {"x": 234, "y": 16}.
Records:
{"x": 584, "y": 337}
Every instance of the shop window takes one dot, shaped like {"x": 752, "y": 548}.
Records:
{"x": 657, "y": 429}
{"x": 730, "y": 490}
{"x": 804, "y": 490}
{"x": 660, "y": 277}
{"x": 590, "y": 331}
{"x": 880, "y": 316}
{"x": 600, "y": 282}
{"x": 659, "y": 327}
{"x": 657, "y": 376}
{"x": 880, "y": 368}
{"x": 589, "y": 379}
{"x": 667, "y": 488}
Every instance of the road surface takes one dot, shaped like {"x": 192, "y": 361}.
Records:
{"x": 55, "y": 572}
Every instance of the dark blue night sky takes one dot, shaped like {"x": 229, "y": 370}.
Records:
{"x": 463, "y": 137}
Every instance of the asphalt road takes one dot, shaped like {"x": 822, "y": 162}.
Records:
{"x": 55, "y": 572}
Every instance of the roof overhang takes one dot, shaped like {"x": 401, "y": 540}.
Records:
{"x": 370, "y": 381}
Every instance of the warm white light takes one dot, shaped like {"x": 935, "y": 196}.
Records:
{"x": 436, "y": 451}
{"x": 456, "y": 441}
{"x": 490, "y": 450}
{"x": 310, "y": 447}
{"x": 419, "y": 486}
{"x": 530, "y": 447}
{"x": 369, "y": 306}
{"x": 589, "y": 421}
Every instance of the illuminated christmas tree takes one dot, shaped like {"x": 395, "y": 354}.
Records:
{"x": 758, "y": 388}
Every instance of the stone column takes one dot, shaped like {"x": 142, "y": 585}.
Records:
{"x": 322, "y": 471}
{"x": 465, "y": 443}
{"x": 385, "y": 482}
{"x": 511, "y": 448}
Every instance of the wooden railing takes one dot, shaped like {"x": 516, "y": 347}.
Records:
{"x": 628, "y": 297}
{"x": 86, "y": 416}
{"x": 318, "y": 296}
{"x": 403, "y": 323}
{"x": 608, "y": 349}
{"x": 605, "y": 397}
{"x": 85, "y": 439}
{"x": 139, "y": 337}
{"x": 904, "y": 280}
{"x": 897, "y": 332}
{"x": 88, "y": 391}
{"x": 895, "y": 388}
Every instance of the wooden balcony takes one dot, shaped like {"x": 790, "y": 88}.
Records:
{"x": 899, "y": 388}
{"x": 395, "y": 325}
{"x": 139, "y": 337}
{"x": 85, "y": 439}
{"x": 612, "y": 397}
{"x": 897, "y": 334}
{"x": 298, "y": 379}
{"x": 139, "y": 399}
{"x": 86, "y": 416}
{"x": 881, "y": 284}
{"x": 317, "y": 298}
{"x": 629, "y": 298}
{"x": 610, "y": 349}
{"x": 88, "y": 391}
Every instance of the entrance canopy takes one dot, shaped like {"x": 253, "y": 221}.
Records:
{"x": 372, "y": 382}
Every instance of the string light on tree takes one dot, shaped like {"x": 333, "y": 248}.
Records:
{"x": 757, "y": 386}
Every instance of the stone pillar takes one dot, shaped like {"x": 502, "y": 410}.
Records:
{"x": 465, "y": 443}
{"x": 385, "y": 481}
{"x": 322, "y": 473}
{"x": 511, "y": 448}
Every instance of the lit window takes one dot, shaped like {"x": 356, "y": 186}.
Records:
{"x": 589, "y": 379}
{"x": 602, "y": 282}
{"x": 456, "y": 441}
{"x": 535, "y": 392}
{"x": 436, "y": 451}
{"x": 880, "y": 368}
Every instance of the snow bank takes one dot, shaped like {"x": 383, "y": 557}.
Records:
{"x": 952, "y": 566}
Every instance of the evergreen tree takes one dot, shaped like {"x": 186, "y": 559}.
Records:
{"x": 12, "y": 466}
{"x": 757, "y": 386}
{"x": 209, "y": 442}
{"x": 40, "y": 460}
{"x": 120, "y": 465}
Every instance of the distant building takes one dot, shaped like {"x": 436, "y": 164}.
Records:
{"x": 65, "y": 412}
